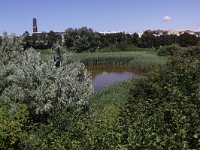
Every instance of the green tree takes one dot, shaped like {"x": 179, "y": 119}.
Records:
{"x": 147, "y": 40}
{"x": 52, "y": 38}
{"x": 135, "y": 39}
{"x": 186, "y": 40}
{"x": 83, "y": 39}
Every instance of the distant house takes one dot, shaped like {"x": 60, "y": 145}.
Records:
{"x": 172, "y": 32}
{"x": 140, "y": 34}
{"x": 189, "y": 32}
{"x": 158, "y": 32}
{"x": 197, "y": 34}
{"x": 109, "y": 32}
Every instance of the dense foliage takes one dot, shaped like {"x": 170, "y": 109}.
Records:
{"x": 53, "y": 95}
{"x": 41, "y": 40}
{"x": 86, "y": 40}
{"x": 83, "y": 39}
{"x": 12, "y": 124}
{"x": 48, "y": 105}
{"x": 186, "y": 40}
{"x": 163, "y": 109}
{"x": 170, "y": 50}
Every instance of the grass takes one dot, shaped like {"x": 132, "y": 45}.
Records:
{"x": 45, "y": 54}
{"x": 139, "y": 60}
{"x": 113, "y": 97}
{"x": 143, "y": 60}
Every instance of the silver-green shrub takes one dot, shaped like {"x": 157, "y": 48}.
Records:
{"x": 43, "y": 87}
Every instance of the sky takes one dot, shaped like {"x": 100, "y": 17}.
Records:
{"x": 100, "y": 15}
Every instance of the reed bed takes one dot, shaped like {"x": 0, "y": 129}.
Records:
{"x": 143, "y": 60}
{"x": 139, "y": 60}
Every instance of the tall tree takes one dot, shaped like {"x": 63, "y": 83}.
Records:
{"x": 147, "y": 40}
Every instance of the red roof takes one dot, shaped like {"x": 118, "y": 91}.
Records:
{"x": 189, "y": 31}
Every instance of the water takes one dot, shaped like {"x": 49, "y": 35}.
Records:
{"x": 106, "y": 75}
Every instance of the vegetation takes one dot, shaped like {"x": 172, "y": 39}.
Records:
{"x": 40, "y": 40}
{"x": 163, "y": 109}
{"x": 140, "y": 60}
{"x": 12, "y": 125}
{"x": 86, "y": 40}
{"x": 83, "y": 39}
{"x": 186, "y": 40}
{"x": 123, "y": 48}
{"x": 170, "y": 50}
{"x": 45, "y": 90}
{"x": 49, "y": 105}
{"x": 114, "y": 96}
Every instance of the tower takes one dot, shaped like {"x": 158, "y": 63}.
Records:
{"x": 35, "y": 25}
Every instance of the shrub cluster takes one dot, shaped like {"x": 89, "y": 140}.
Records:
{"x": 170, "y": 50}
{"x": 163, "y": 109}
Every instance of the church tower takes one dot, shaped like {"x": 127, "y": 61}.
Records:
{"x": 35, "y": 25}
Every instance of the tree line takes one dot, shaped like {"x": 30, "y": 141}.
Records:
{"x": 87, "y": 40}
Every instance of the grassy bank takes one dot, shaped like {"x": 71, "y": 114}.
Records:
{"x": 111, "y": 99}
{"x": 139, "y": 60}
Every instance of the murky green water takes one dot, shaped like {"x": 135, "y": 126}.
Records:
{"x": 106, "y": 75}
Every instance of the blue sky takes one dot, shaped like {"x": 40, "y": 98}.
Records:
{"x": 101, "y": 15}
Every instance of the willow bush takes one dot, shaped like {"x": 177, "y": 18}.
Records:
{"x": 48, "y": 90}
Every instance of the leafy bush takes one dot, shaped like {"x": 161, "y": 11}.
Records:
{"x": 191, "y": 52}
{"x": 163, "y": 109}
{"x": 12, "y": 125}
{"x": 170, "y": 50}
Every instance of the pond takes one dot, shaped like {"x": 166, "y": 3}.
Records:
{"x": 106, "y": 75}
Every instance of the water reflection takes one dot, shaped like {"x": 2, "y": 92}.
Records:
{"x": 105, "y": 75}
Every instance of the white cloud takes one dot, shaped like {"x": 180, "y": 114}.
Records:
{"x": 167, "y": 18}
